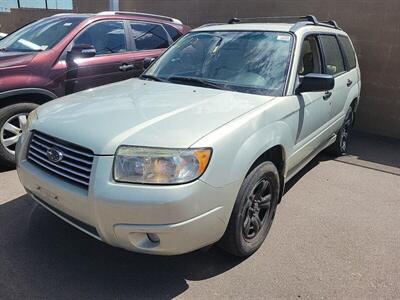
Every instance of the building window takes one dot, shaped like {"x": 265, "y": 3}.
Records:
{"x": 32, "y": 3}
{"x": 59, "y": 4}
{"x": 6, "y": 5}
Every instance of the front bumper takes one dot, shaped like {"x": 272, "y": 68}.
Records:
{"x": 183, "y": 218}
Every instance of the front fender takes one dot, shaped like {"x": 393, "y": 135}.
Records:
{"x": 237, "y": 146}
{"x": 275, "y": 134}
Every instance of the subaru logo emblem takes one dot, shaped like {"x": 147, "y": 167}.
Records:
{"x": 54, "y": 155}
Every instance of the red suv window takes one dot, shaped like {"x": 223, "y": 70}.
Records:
{"x": 149, "y": 36}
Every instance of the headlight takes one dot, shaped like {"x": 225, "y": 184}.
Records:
{"x": 158, "y": 165}
{"x": 31, "y": 117}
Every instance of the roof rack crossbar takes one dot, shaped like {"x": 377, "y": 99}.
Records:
{"x": 309, "y": 18}
{"x": 160, "y": 17}
{"x": 332, "y": 23}
{"x": 300, "y": 21}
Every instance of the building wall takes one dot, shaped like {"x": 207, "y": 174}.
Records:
{"x": 372, "y": 24}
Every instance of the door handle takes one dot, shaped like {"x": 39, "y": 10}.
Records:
{"x": 125, "y": 67}
{"x": 327, "y": 95}
{"x": 349, "y": 83}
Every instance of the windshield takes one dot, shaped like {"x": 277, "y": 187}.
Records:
{"x": 249, "y": 62}
{"x": 40, "y": 35}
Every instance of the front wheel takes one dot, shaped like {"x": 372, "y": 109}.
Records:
{"x": 12, "y": 120}
{"x": 253, "y": 212}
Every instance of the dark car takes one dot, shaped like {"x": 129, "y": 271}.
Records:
{"x": 68, "y": 53}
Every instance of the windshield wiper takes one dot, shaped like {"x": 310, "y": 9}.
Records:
{"x": 3, "y": 49}
{"x": 198, "y": 81}
{"x": 152, "y": 77}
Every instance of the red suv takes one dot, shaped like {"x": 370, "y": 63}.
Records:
{"x": 68, "y": 53}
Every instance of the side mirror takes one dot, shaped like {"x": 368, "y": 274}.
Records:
{"x": 81, "y": 51}
{"x": 147, "y": 62}
{"x": 316, "y": 83}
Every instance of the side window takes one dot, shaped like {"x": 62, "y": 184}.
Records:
{"x": 310, "y": 59}
{"x": 149, "y": 36}
{"x": 334, "y": 63}
{"x": 348, "y": 52}
{"x": 107, "y": 37}
{"x": 173, "y": 32}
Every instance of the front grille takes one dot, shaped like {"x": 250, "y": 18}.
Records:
{"x": 75, "y": 165}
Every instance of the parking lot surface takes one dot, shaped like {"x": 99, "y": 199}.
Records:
{"x": 336, "y": 235}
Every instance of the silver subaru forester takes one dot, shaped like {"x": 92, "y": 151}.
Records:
{"x": 198, "y": 149}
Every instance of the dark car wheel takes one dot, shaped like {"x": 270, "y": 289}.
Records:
{"x": 253, "y": 212}
{"x": 12, "y": 120}
{"x": 339, "y": 147}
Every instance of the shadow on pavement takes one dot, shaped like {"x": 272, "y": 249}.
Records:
{"x": 5, "y": 169}
{"x": 365, "y": 151}
{"x": 374, "y": 152}
{"x": 41, "y": 256}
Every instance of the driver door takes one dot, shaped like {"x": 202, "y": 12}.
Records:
{"x": 314, "y": 107}
{"x": 111, "y": 62}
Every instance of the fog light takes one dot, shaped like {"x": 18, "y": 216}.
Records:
{"x": 153, "y": 237}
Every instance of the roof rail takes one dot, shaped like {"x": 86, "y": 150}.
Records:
{"x": 160, "y": 17}
{"x": 210, "y": 24}
{"x": 300, "y": 21}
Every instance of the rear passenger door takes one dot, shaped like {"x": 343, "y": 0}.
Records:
{"x": 148, "y": 40}
{"x": 334, "y": 64}
{"x": 350, "y": 62}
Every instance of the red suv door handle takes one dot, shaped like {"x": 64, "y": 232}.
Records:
{"x": 125, "y": 67}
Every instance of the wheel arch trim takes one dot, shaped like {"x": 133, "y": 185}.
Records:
{"x": 23, "y": 91}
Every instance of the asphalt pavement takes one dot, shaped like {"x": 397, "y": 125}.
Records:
{"x": 336, "y": 235}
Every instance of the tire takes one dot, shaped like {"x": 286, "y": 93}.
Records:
{"x": 241, "y": 237}
{"x": 11, "y": 121}
{"x": 339, "y": 147}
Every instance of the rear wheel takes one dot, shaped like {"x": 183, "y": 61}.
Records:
{"x": 12, "y": 120}
{"x": 253, "y": 212}
{"x": 339, "y": 147}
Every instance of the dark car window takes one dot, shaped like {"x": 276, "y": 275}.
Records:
{"x": 40, "y": 35}
{"x": 310, "y": 60}
{"x": 334, "y": 63}
{"x": 149, "y": 36}
{"x": 173, "y": 32}
{"x": 106, "y": 37}
{"x": 348, "y": 52}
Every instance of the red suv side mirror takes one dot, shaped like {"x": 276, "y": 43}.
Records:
{"x": 81, "y": 51}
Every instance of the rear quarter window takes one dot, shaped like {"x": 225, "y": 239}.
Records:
{"x": 149, "y": 36}
{"x": 173, "y": 32}
{"x": 348, "y": 52}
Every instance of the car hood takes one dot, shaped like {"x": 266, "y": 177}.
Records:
{"x": 141, "y": 113}
{"x": 15, "y": 59}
